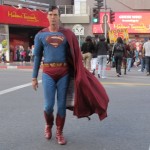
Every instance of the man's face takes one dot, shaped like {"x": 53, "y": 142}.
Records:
{"x": 53, "y": 17}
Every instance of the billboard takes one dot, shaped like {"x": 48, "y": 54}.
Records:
{"x": 134, "y": 22}
{"x": 114, "y": 34}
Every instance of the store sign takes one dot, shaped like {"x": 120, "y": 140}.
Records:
{"x": 24, "y": 16}
{"x": 78, "y": 29}
{"x": 114, "y": 34}
{"x": 134, "y": 22}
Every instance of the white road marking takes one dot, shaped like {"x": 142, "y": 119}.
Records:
{"x": 16, "y": 88}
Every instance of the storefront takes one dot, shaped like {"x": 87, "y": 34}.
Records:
{"x": 136, "y": 23}
{"x": 18, "y": 27}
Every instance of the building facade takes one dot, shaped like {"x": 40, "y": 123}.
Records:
{"x": 21, "y": 20}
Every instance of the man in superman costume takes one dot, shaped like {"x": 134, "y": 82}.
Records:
{"x": 62, "y": 59}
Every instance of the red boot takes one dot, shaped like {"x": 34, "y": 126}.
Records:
{"x": 49, "y": 118}
{"x": 60, "y": 121}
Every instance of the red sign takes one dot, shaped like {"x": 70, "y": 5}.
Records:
{"x": 134, "y": 22}
{"x": 24, "y": 16}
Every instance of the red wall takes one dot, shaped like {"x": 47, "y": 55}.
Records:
{"x": 24, "y": 16}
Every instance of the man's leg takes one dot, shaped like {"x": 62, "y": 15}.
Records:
{"x": 99, "y": 59}
{"x": 104, "y": 63}
{"x": 49, "y": 88}
{"x": 62, "y": 86}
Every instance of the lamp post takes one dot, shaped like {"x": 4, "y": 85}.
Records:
{"x": 105, "y": 19}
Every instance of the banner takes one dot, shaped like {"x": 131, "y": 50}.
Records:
{"x": 134, "y": 22}
{"x": 114, "y": 34}
{"x": 24, "y": 16}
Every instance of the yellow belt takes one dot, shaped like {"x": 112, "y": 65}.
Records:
{"x": 54, "y": 64}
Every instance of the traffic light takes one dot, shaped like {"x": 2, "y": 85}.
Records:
{"x": 99, "y": 4}
{"x": 112, "y": 16}
{"x": 95, "y": 18}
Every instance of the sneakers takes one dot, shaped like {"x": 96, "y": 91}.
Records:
{"x": 104, "y": 77}
{"x": 118, "y": 75}
{"x": 99, "y": 76}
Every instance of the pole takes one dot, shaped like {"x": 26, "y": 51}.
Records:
{"x": 105, "y": 19}
{"x": 79, "y": 40}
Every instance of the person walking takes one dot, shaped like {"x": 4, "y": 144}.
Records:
{"x": 130, "y": 56}
{"x": 87, "y": 49}
{"x": 146, "y": 53}
{"x": 94, "y": 59}
{"x": 62, "y": 60}
{"x": 118, "y": 52}
{"x": 102, "y": 51}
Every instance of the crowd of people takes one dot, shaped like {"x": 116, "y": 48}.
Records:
{"x": 24, "y": 55}
{"x": 97, "y": 53}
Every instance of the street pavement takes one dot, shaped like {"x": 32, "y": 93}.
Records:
{"x": 126, "y": 127}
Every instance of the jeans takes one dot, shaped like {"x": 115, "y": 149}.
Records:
{"x": 93, "y": 63}
{"x": 102, "y": 62}
{"x": 129, "y": 62}
{"x": 118, "y": 62}
{"x": 147, "y": 61}
{"x": 50, "y": 86}
{"x": 142, "y": 64}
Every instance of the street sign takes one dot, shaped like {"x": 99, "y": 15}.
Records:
{"x": 78, "y": 29}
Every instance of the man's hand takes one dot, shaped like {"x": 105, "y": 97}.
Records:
{"x": 35, "y": 83}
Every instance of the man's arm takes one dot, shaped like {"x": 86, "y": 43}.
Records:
{"x": 38, "y": 53}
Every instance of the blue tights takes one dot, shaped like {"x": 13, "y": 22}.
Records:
{"x": 50, "y": 86}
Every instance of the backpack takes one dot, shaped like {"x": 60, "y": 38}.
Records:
{"x": 119, "y": 47}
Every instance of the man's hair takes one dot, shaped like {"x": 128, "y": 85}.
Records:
{"x": 51, "y": 8}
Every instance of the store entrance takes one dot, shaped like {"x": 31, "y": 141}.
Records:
{"x": 21, "y": 36}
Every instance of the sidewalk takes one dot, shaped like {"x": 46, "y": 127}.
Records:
{"x": 20, "y": 65}
{"x": 16, "y": 65}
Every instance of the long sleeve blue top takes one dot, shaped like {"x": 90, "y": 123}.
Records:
{"x": 52, "y": 46}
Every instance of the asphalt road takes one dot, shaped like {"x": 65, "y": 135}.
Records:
{"x": 127, "y": 126}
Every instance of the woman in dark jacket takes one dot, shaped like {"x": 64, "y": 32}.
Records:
{"x": 118, "y": 52}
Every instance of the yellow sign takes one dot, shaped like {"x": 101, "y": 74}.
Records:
{"x": 114, "y": 34}
{"x": 28, "y": 17}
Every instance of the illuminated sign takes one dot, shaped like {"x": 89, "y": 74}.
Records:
{"x": 24, "y": 16}
{"x": 134, "y": 22}
{"x": 114, "y": 34}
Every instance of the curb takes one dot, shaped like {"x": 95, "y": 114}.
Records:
{"x": 16, "y": 67}
{"x": 30, "y": 67}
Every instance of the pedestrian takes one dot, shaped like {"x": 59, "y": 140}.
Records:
{"x": 118, "y": 52}
{"x": 94, "y": 59}
{"x": 87, "y": 49}
{"x": 102, "y": 51}
{"x": 130, "y": 56}
{"x": 62, "y": 60}
{"x": 32, "y": 54}
{"x": 146, "y": 54}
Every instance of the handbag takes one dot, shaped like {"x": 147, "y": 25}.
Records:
{"x": 70, "y": 95}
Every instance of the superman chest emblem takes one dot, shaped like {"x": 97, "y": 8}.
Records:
{"x": 55, "y": 40}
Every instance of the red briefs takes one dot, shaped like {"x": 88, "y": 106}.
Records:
{"x": 56, "y": 72}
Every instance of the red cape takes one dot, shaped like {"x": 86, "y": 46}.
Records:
{"x": 90, "y": 95}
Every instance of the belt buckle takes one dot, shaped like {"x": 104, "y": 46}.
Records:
{"x": 45, "y": 65}
{"x": 52, "y": 64}
{"x": 59, "y": 64}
